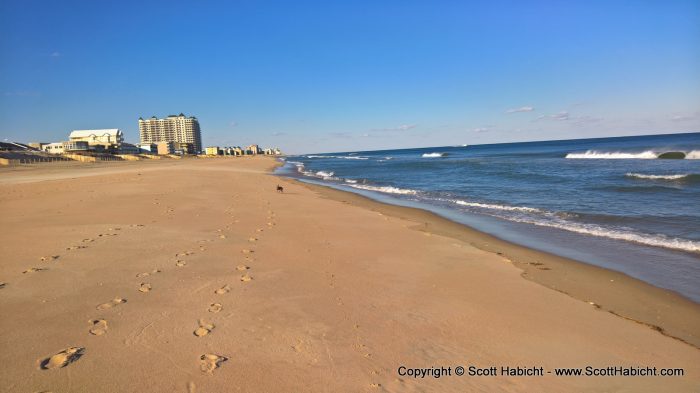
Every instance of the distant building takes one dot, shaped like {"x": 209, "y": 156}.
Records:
{"x": 254, "y": 149}
{"x": 232, "y": 151}
{"x": 146, "y": 148}
{"x": 65, "y": 147}
{"x": 107, "y": 139}
{"x": 213, "y": 151}
{"x": 237, "y": 151}
{"x": 272, "y": 151}
{"x": 165, "y": 148}
{"x": 185, "y": 148}
{"x": 37, "y": 145}
{"x": 53, "y": 148}
{"x": 128, "y": 148}
{"x": 75, "y": 146}
{"x": 174, "y": 128}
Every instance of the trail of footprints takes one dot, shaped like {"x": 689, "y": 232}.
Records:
{"x": 99, "y": 327}
{"x": 210, "y": 361}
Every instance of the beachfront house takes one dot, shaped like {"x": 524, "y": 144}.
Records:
{"x": 104, "y": 139}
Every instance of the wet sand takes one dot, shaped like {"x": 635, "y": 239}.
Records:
{"x": 195, "y": 275}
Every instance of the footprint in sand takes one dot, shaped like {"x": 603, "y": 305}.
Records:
{"x": 215, "y": 307}
{"x": 180, "y": 263}
{"x": 246, "y": 278}
{"x": 222, "y": 290}
{"x": 246, "y": 251}
{"x": 115, "y": 302}
{"x": 88, "y": 240}
{"x": 211, "y": 362}
{"x": 62, "y": 359}
{"x": 184, "y": 253}
{"x": 203, "y": 329}
{"x": 242, "y": 268}
{"x": 270, "y": 224}
{"x": 259, "y": 230}
{"x": 222, "y": 236}
{"x": 71, "y": 248}
{"x": 99, "y": 327}
{"x": 34, "y": 269}
{"x": 49, "y": 258}
{"x": 2, "y": 284}
{"x": 252, "y": 239}
{"x": 146, "y": 274}
{"x": 145, "y": 287}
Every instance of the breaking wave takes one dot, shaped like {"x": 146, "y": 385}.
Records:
{"x": 693, "y": 155}
{"x": 341, "y": 157}
{"x": 434, "y": 155}
{"x": 595, "y": 230}
{"x": 385, "y": 189}
{"x": 497, "y": 207}
{"x": 645, "y": 155}
{"x": 657, "y": 177}
{"x": 560, "y": 221}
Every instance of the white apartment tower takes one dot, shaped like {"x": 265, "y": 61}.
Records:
{"x": 174, "y": 128}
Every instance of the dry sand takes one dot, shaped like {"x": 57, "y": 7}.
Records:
{"x": 196, "y": 276}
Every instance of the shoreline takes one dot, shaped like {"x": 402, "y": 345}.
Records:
{"x": 662, "y": 310}
{"x": 152, "y": 271}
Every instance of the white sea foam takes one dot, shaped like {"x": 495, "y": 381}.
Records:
{"x": 497, "y": 207}
{"x": 617, "y": 155}
{"x": 656, "y": 177}
{"x": 385, "y": 189}
{"x": 341, "y": 157}
{"x": 595, "y": 230}
{"x": 547, "y": 219}
{"x": 593, "y": 154}
{"x": 434, "y": 155}
{"x": 693, "y": 155}
{"x": 351, "y": 181}
{"x": 324, "y": 174}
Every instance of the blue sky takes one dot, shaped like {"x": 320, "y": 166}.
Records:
{"x": 318, "y": 76}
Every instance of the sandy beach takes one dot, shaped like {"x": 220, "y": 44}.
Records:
{"x": 195, "y": 275}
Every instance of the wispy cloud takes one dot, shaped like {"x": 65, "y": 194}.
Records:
{"x": 482, "y": 129}
{"x": 565, "y": 116}
{"x": 340, "y": 135}
{"x": 684, "y": 117}
{"x": 561, "y": 116}
{"x": 56, "y": 54}
{"x": 521, "y": 109}
{"x": 403, "y": 127}
{"x": 233, "y": 124}
{"x": 586, "y": 120}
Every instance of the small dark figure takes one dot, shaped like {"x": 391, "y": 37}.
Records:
{"x": 280, "y": 188}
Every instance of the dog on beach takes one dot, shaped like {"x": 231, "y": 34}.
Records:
{"x": 280, "y": 188}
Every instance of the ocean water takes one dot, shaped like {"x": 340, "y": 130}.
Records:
{"x": 612, "y": 202}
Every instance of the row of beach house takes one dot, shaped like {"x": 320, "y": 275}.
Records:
{"x": 175, "y": 136}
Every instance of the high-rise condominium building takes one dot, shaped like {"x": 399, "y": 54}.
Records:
{"x": 174, "y": 128}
